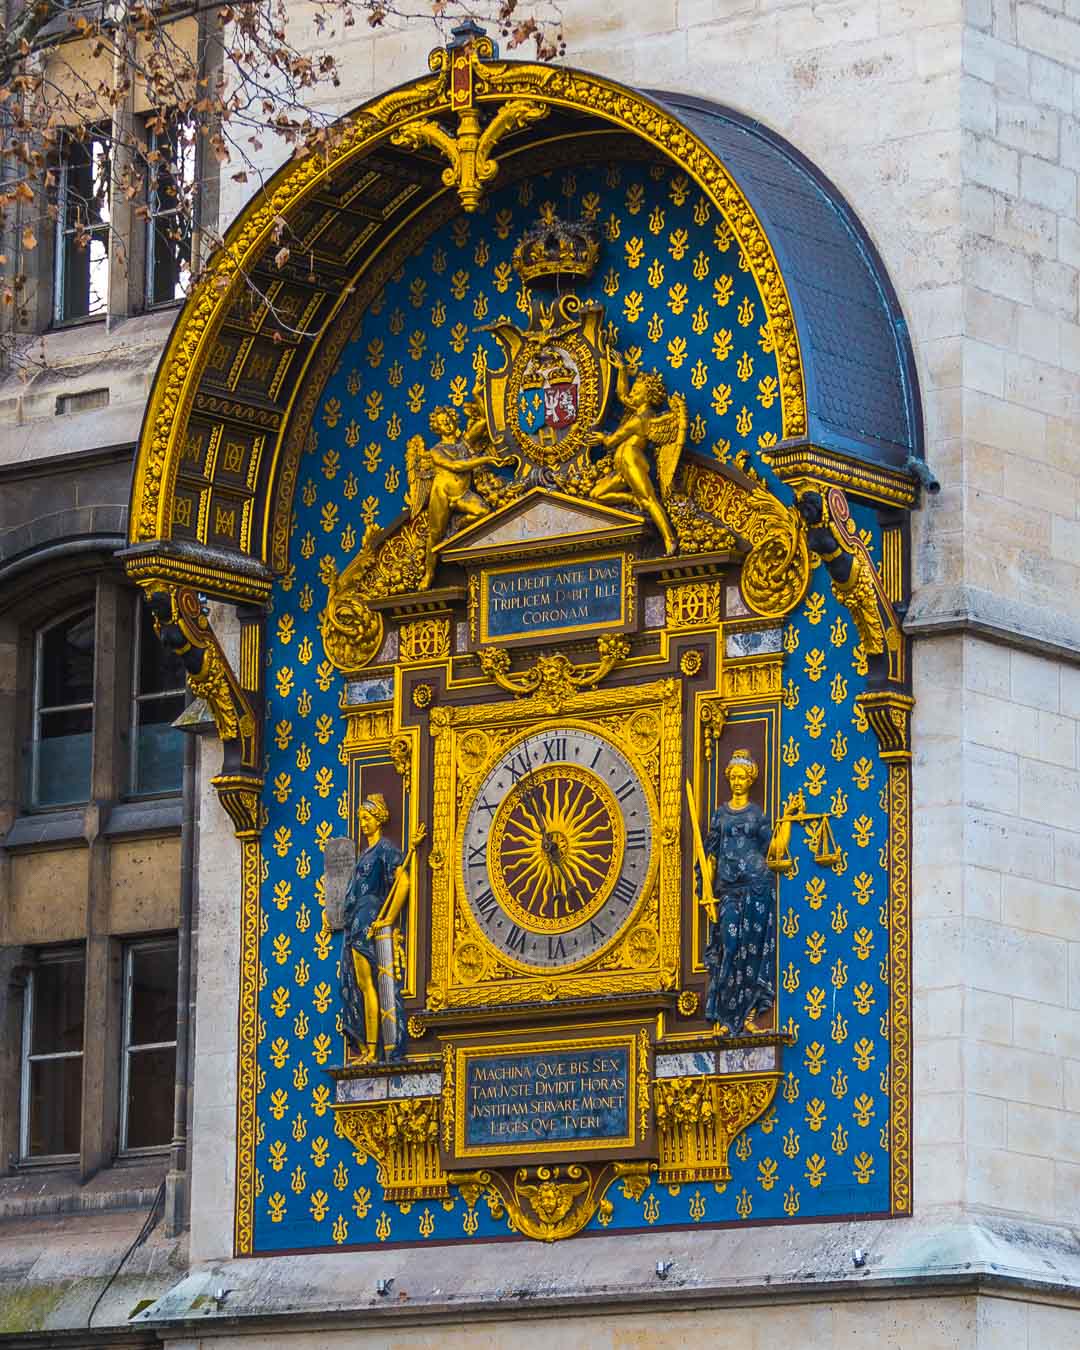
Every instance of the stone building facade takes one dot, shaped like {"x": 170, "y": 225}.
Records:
{"x": 951, "y": 134}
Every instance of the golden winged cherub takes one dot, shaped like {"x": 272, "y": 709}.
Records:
{"x": 644, "y": 424}
{"x": 441, "y": 476}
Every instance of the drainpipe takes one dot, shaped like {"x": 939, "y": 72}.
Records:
{"x": 176, "y": 1189}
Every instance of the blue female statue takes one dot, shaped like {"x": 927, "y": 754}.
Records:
{"x": 372, "y": 1010}
{"x": 741, "y": 855}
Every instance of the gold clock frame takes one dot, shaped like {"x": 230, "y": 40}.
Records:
{"x": 617, "y": 968}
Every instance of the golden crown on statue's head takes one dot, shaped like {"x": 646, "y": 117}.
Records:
{"x": 556, "y": 248}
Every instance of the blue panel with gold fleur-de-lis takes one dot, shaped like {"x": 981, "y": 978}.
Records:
{"x": 679, "y": 299}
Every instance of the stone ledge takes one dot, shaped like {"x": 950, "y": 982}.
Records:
{"x": 809, "y": 1263}
{"x": 938, "y": 610}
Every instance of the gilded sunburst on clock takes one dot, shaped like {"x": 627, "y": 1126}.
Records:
{"x": 559, "y": 840}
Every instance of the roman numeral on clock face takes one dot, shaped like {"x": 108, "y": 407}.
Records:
{"x": 515, "y": 939}
{"x": 519, "y": 766}
{"x": 623, "y": 890}
{"x": 477, "y": 855}
{"x": 634, "y": 839}
{"x": 487, "y": 906}
{"x": 555, "y": 750}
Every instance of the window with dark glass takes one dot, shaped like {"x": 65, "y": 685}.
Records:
{"x": 81, "y": 284}
{"x": 60, "y": 751}
{"x": 52, "y": 1055}
{"x": 148, "y": 1071}
{"x": 170, "y": 178}
{"x": 157, "y": 750}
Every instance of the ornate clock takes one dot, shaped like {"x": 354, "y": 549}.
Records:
{"x": 555, "y": 849}
{"x": 557, "y": 846}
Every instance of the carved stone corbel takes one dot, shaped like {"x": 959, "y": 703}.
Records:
{"x": 233, "y": 700}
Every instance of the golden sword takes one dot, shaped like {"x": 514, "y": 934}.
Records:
{"x": 701, "y": 857}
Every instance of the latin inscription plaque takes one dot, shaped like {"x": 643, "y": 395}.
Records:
{"x": 523, "y": 602}
{"x": 566, "y": 1096}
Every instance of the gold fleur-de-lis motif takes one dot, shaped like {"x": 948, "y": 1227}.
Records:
{"x": 744, "y": 367}
{"x": 863, "y": 1107}
{"x": 721, "y": 399}
{"x": 838, "y": 974}
{"x": 699, "y": 375}
{"x": 814, "y": 664}
{"x": 332, "y": 412}
{"x": 863, "y": 1051}
{"x": 744, "y": 1205}
{"x": 815, "y": 779}
{"x": 815, "y": 1057}
{"x": 656, "y": 220}
{"x": 864, "y": 887}
{"x": 815, "y": 722}
{"x": 745, "y": 314}
{"x": 839, "y": 746}
{"x": 678, "y": 297}
{"x": 299, "y": 1129}
{"x": 863, "y": 1166}
{"x": 279, "y": 1103}
{"x": 635, "y": 198}
{"x": 815, "y": 1113}
{"x": 744, "y": 423}
{"x": 790, "y": 925}
{"x": 839, "y": 1028}
{"x": 815, "y": 1003}
{"x": 815, "y": 1169}
{"x": 676, "y": 352}
{"x": 815, "y": 947}
{"x": 768, "y": 391}
{"x": 791, "y": 751}
{"x": 863, "y": 828}
{"x": 790, "y": 1144}
{"x": 382, "y": 1226}
{"x": 279, "y": 1001}
{"x": 655, "y": 275}
{"x": 635, "y": 251}
{"x": 321, "y": 1047}
{"x": 838, "y": 689}
{"x": 767, "y": 1173}
{"x": 275, "y": 1207}
{"x": 863, "y": 939}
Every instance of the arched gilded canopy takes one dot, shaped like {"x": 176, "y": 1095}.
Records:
{"x": 234, "y": 396}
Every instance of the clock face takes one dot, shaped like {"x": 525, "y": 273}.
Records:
{"x": 557, "y": 847}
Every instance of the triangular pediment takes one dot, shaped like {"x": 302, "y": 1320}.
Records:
{"x": 541, "y": 520}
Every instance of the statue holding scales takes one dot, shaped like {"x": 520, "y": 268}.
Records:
{"x": 736, "y": 863}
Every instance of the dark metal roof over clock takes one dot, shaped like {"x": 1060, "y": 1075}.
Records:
{"x": 236, "y": 392}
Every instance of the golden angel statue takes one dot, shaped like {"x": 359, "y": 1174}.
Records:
{"x": 441, "y": 478}
{"x": 644, "y": 424}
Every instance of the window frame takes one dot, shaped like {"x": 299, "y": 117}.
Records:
{"x": 153, "y": 138}
{"x": 43, "y": 956}
{"x": 127, "y": 1048}
{"x": 61, "y": 230}
{"x": 36, "y": 710}
{"x": 137, "y": 700}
